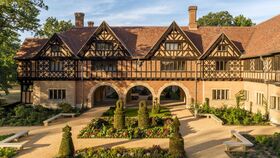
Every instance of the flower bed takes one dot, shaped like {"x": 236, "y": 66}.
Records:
{"x": 103, "y": 128}
{"x": 153, "y": 152}
{"x": 235, "y": 116}
{"x": 133, "y": 112}
{"x": 7, "y": 152}
{"x": 264, "y": 146}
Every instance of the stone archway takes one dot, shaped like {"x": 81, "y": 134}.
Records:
{"x": 142, "y": 84}
{"x": 90, "y": 98}
{"x": 178, "y": 84}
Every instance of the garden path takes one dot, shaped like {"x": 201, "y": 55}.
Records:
{"x": 203, "y": 137}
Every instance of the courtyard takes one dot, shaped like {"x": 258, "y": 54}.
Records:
{"x": 203, "y": 137}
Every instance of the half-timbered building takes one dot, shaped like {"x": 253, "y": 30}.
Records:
{"x": 90, "y": 64}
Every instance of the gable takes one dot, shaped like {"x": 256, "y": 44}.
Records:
{"x": 223, "y": 47}
{"x": 104, "y": 43}
{"x": 174, "y": 37}
{"x": 55, "y": 47}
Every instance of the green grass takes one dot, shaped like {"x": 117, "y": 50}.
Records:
{"x": 133, "y": 112}
{"x": 2, "y": 137}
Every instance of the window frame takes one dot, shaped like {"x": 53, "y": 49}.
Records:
{"x": 222, "y": 47}
{"x": 220, "y": 94}
{"x": 53, "y": 94}
{"x": 56, "y": 66}
{"x": 170, "y": 46}
{"x": 221, "y": 65}
{"x": 258, "y": 101}
{"x": 174, "y": 65}
{"x": 107, "y": 46}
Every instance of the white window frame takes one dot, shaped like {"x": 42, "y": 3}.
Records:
{"x": 247, "y": 95}
{"x": 258, "y": 101}
{"x": 172, "y": 46}
{"x": 271, "y": 102}
{"x": 57, "y": 98}
{"x": 220, "y": 94}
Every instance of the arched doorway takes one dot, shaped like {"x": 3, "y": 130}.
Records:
{"x": 137, "y": 93}
{"x": 173, "y": 93}
{"x": 104, "y": 96}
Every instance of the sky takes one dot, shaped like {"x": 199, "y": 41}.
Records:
{"x": 153, "y": 12}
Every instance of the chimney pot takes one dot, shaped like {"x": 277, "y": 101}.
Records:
{"x": 79, "y": 19}
{"x": 192, "y": 17}
{"x": 90, "y": 23}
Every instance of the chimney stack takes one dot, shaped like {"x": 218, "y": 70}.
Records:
{"x": 90, "y": 23}
{"x": 192, "y": 17}
{"x": 79, "y": 19}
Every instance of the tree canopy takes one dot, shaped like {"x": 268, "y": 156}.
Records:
{"x": 15, "y": 16}
{"x": 224, "y": 18}
{"x": 52, "y": 25}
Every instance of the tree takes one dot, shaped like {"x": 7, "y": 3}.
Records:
{"x": 224, "y": 18}
{"x": 52, "y": 25}
{"x": 15, "y": 16}
{"x": 66, "y": 149}
{"x": 241, "y": 20}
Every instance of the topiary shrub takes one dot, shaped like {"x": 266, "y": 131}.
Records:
{"x": 65, "y": 107}
{"x": 119, "y": 117}
{"x": 66, "y": 149}
{"x": 176, "y": 142}
{"x": 143, "y": 115}
{"x": 155, "y": 107}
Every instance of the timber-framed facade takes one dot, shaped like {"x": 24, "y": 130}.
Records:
{"x": 204, "y": 62}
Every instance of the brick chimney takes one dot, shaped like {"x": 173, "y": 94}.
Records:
{"x": 79, "y": 19}
{"x": 90, "y": 23}
{"x": 192, "y": 17}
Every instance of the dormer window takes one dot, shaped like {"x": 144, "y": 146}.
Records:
{"x": 55, "y": 48}
{"x": 172, "y": 46}
{"x": 104, "y": 46}
{"x": 222, "y": 47}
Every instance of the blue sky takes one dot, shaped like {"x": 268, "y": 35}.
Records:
{"x": 154, "y": 12}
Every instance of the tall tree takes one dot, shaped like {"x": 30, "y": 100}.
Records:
{"x": 224, "y": 18}
{"x": 52, "y": 25}
{"x": 15, "y": 16}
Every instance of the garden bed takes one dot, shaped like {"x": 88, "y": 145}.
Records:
{"x": 133, "y": 112}
{"x": 153, "y": 152}
{"x": 103, "y": 128}
{"x": 7, "y": 152}
{"x": 235, "y": 116}
{"x": 264, "y": 146}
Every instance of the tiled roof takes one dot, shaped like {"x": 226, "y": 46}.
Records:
{"x": 252, "y": 41}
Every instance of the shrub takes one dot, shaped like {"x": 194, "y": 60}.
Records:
{"x": 66, "y": 149}
{"x": 7, "y": 152}
{"x": 143, "y": 115}
{"x": 119, "y": 117}
{"x": 65, "y": 107}
{"x": 155, "y": 108}
{"x": 258, "y": 118}
{"x": 176, "y": 142}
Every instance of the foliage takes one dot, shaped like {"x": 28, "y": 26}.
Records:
{"x": 235, "y": 116}
{"x": 66, "y": 149}
{"x": 155, "y": 107}
{"x": 66, "y": 107}
{"x": 16, "y": 15}
{"x": 224, "y": 18}
{"x": 264, "y": 146}
{"x": 26, "y": 115}
{"x": 103, "y": 128}
{"x": 52, "y": 25}
{"x": 176, "y": 142}
{"x": 2, "y": 137}
{"x": 133, "y": 112}
{"x": 7, "y": 152}
{"x": 153, "y": 152}
{"x": 143, "y": 115}
{"x": 119, "y": 117}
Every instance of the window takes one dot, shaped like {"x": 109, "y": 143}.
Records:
{"x": 273, "y": 102}
{"x": 220, "y": 94}
{"x": 172, "y": 46}
{"x": 222, "y": 47}
{"x": 172, "y": 65}
{"x": 104, "y": 46}
{"x": 221, "y": 65}
{"x": 246, "y": 95}
{"x": 55, "y": 48}
{"x": 57, "y": 94}
{"x": 104, "y": 66}
{"x": 260, "y": 98}
{"x": 56, "y": 66}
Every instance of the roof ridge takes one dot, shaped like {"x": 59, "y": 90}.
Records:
{"x": 267, "y": 20}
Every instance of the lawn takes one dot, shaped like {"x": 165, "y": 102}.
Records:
{"x": 264, "y": 146}
{"x": 133, "y": 112}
